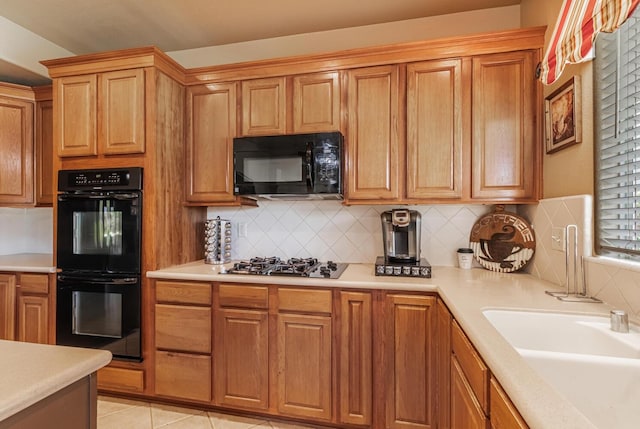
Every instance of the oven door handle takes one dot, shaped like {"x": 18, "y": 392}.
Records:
{"x": 99, "y": 196}
{"x": 98, "y": 280}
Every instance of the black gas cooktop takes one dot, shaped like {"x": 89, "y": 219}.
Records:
{"x": 297, "y": 267}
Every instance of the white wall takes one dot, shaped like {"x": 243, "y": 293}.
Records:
{"x": 26, "y": 230}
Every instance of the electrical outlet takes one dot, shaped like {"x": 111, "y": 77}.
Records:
{"x": 242, "y": 229}
{"x": 558, "y": 238}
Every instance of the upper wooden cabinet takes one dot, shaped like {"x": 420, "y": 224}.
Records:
{"x": 100, "y": 113}
{"x": 505, "y": 160}
{"x": 44, "y": 151}
{"x": 264, "y": 106}
{"x": 316, "y": 102}
{"x": 374, "y": 135}
{"x": 211, "y": 127}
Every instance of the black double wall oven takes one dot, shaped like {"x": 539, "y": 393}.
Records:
{"x": 99, "y": 235}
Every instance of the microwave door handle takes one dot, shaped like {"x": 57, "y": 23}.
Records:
{"x": 310, "y": 177}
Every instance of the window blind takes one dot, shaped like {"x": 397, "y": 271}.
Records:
{"x": 617, "y": 141}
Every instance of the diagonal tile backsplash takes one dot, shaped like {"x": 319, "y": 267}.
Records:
{"x": 328, "y": 230}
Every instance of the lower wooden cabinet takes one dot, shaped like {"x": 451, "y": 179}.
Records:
{"x": 466, "y": 411}
{"x": 25, "y": 308}
{"x": 183, "y": 375}
{"x": 121, "y": 379}
{"x": 503, "y": 413}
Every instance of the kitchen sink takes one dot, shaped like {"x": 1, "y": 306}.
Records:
{"x": 596, "y": 369}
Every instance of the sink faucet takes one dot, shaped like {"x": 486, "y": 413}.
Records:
{"x": 619, "y": 321}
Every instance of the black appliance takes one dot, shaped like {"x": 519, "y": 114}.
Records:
{"x": 99, "y": 234}
{"x": 297, "y": 267}
{"x": 298, "y": 166}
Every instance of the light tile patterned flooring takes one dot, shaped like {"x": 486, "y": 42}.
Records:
{"x": 117, "y": 413}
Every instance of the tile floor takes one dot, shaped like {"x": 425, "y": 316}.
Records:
{"x": 117, "y": 413}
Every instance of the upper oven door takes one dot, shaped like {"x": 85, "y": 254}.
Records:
{"x": 99, "y": 231}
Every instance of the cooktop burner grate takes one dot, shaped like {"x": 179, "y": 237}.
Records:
{"x": 301, "y": 267}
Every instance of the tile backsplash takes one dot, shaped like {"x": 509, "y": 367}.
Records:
{"x": 328, "y": 230}
{"x": 26, "y": 230}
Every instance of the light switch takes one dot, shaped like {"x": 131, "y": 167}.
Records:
{"x": 558, "y": 238}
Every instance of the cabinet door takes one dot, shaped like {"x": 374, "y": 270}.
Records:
{"x": 183, "y": 328}
{"x": 373, "y": 162}
{"x": 44, "y": 152}
{"x": 355, "y": 358}
{"x": 443, "y": 364}
{"x": 7, "y": 306}
{"x": 211, "y": 127}
{"x": 264, "y": 106}
{"x": 183, "y": 375}
{"x": 466, "y": 412}
{"x": 316, "y": 102}
{"x": 16, "y": 147}
{"x": 121, "y": 112}
{"x": 304, "y": 366}
{"x": 434, "y": 129}
{"x": 505, "y": 155}
{"x": 33, "y": 317}
{"x": 504, "y": 414}
{"x": 242, "y": 359}
{"x": 74, "y": 129}
{"x": 411, "y": 358}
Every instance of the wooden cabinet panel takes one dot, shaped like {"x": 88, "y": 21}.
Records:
{"x": 435, "y": 129}
{"x": 304, "y": 300}
{"x": 411, "y": 356}
{"x": 235, "y": 295}
{"x": 505, "y": 154}
{"x": 355, "y": 358}
{"x": 466, "y": 412}
{"x": 242, "y": 359}
{"x": 33, "y": 318}
{"x": 121, "y": 112}
{"x": 127, "y": 379}
{"x": 44, "y": 152}
{"x": 211, "y": 127}
{"x": 183, "y": 328}
{"x": 264, "y": 106}
{"x": 34, "y": 283}
{"x": 504, "y": 414}
{"x": 184, "y": 376}
{"x": 75, "y": 108}
{"x": 7, "y": 306}
{"x": 316, "y": 102}
{"x": 183, "y": 292}
{"x": 476, "y": 372}
{"x": 16, "y": 147}
{"x": 443, "y": 365}
{"x": 304, "y": 379}
{"x": 374, "y": 150}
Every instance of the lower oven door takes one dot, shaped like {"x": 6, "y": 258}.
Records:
{"x": 101, "y": 312}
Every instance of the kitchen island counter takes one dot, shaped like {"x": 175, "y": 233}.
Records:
{"x": 467, "y": 293}
{"x": 28, "y": 263}
{"x": 30, "y": 373}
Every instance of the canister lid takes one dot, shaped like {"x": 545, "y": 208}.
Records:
{"x": 465, "y": 250}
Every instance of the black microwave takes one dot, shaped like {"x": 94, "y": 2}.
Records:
{"x": 294, "y": 166}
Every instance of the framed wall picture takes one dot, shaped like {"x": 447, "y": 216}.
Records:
{"x": 563, "y": 117}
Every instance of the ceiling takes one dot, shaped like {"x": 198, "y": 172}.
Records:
{"x": 81, "y": 26}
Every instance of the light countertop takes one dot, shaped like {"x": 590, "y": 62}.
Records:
{"x": 467, "y": 293}
{"x": 31, "y": 372}
{"x": 28, "y": 262}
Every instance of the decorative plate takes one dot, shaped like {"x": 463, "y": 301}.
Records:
{"x": 502, "y": 241}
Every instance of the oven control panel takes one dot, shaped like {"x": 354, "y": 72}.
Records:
{"x": 104, "y": 179}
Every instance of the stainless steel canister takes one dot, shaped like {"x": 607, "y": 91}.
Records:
{"x": 217, "y": 241}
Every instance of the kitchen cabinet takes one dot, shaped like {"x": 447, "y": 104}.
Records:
{"x": 410, "y": 353}
{"x": 504, "y": 414}
{"x": 183, "y": 329}
{"x": 241, "y": 344}
{"x": 466, "y": 412}
{"x": 304, "y": 379}
{"x": 211, "y": 126}
{"x": 505, "y": 155}
{"x": 443, "y": 365}
{"x": 355, "y": 385}
{"x": 264, "y": 106}
{"x": 316, "y": 102}
{"x": 44, "y": 147}
{"x": 374, "y": 133}
{"x": 100, "y": 113}
{"x": 16, "y": 146}
{"x": 26, "y": 307}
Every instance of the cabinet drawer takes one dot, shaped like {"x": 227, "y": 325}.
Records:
{"x": 472, "y": 365}
{"x": 34, "y": 283}
{"x": 244, "y": 296}
{"x": 304, "y": 300}
{"x": 184, "y": 328}
{"x": 131, "y": 380}
{"x": 503, "y": 413}
{"x": 183, "y": 375}
{"x": 183, "y": 292}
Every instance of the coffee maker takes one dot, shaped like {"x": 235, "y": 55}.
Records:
{"x": 401, "y": 241}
